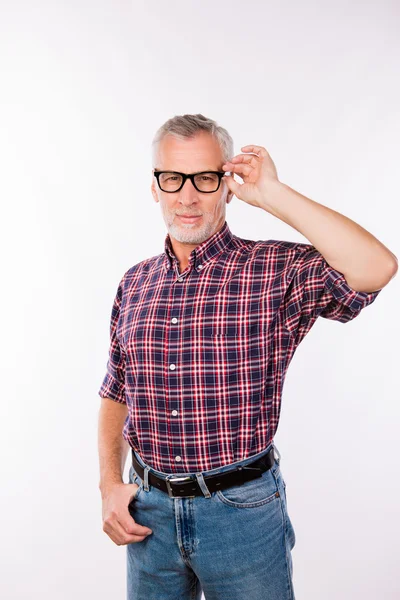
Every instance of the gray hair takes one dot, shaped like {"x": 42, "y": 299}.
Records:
{"x": 186, "y": 126}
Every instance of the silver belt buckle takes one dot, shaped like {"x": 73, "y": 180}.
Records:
{"x": 173, "y": 479}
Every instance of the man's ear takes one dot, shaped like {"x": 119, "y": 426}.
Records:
{"x": 154, "y": 191}
{"x": 229, "y": 197}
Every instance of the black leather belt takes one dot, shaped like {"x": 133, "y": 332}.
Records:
{"x": 187, "y": 486}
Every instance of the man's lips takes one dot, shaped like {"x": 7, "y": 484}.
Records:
{"x": 189, "y": 217}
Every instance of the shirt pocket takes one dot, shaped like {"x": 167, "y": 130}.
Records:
{"x": 236, "y": 330}
{"x": 237, "y": 339}
{"x": 234, "y": 354}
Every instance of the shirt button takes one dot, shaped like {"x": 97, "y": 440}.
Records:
{"x": 200, "y": 267}
{"x": 174, "y": 412}
{"x": 172, "y": 367}
{"x": 180, "y": 279}
{"x": 338, "y": 282}
{"x": 174, "y": 320}
{"x": 178, "y": 458}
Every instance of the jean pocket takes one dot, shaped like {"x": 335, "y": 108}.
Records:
{"x": 253, "y": 493}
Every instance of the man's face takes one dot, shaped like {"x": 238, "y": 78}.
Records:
{"x": 200, "y": 153}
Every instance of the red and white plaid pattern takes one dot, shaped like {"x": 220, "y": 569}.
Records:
{"x": 200, "y": 357}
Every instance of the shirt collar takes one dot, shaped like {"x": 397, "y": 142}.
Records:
{"x": 212, "y": 246}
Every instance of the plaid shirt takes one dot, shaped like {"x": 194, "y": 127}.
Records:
{"x": 200, "y": 357}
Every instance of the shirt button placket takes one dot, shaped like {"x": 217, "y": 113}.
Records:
{"x": 172, "y": 393}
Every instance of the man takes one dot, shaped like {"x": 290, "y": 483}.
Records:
{"x": 201, "y": 339}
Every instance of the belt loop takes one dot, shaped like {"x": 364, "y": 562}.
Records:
{"x": 279, "y": 455}
{"x": 146, "y": 479}
{"x": 203, "y": 485}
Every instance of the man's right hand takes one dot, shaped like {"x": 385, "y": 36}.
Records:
{"x": 118, "y": 523}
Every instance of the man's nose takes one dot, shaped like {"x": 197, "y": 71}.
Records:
{"x": 188, "y": 192}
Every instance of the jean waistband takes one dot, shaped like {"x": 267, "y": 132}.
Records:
{"x": 224, "y": 468}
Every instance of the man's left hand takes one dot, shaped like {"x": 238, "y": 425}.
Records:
{"x": 258, "y": 172}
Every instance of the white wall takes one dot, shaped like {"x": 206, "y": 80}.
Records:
{"x": 84, "y": 86}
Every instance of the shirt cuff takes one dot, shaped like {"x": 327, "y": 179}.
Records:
{"x": 111, "y": 388}
{"x": 336, "y": 283}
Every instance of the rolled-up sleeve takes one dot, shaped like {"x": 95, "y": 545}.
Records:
{"x": 113, "y": 385}
{"x": 316, "y": 289}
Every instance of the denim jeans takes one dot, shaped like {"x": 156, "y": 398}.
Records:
{"x": 232, "y": 544}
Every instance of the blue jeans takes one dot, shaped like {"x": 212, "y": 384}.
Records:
{"x": 232, "y": 544}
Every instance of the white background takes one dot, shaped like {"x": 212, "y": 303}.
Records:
{"x": 84, "y": 87}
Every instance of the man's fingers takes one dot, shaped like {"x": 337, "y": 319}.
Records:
{"x": 132, "y": 531}
{"x": 118, "y": 523}
{"x": 131, "y": 527}
{"x": 120, "y": 536}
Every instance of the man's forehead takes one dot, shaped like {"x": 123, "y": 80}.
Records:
{"x": 201, "y": 153}
{"x": 189, "y": 163}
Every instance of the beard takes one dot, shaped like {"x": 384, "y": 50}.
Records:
{"x": 198, "y": 231}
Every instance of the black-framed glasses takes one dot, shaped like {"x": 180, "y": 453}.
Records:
{"x": 206, "y": 182}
